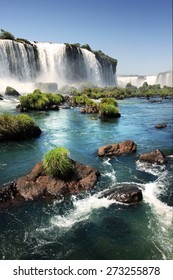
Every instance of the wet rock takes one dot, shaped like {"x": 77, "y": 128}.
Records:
{"x": 11, "y": 92}
{"x": 156, "y": 156}
{"x": 90, "y": 109}
{"x": 38, "y": 184}
{"x": 161, "y": 125}
{"x": 54, "y": 107}
{"x": 8, "y": 192}
{"x": 125, "y": 147}
{"x": 21, "y": 109}
{"x": 125, "y": 193}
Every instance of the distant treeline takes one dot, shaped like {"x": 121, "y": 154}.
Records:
{"x": 145, "y": 90}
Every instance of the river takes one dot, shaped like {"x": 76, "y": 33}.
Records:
{"x": 83, "y": 226}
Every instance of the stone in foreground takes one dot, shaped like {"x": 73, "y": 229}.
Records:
{"x": 125, "y": 193}
{"x": 38, "y": 184}
{"x": 125, "y": 147}
{"x": 156, "y": 156}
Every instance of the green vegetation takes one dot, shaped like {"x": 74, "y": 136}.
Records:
{"x": 40, "y": 101}
{"x": 98, "y": 53}
{"x": 57, "y": 163}
{"x": 104, "y": 56}
{"x": 17, "y": 127}
{"x": 83, "y": 100}
{"x": 130, "y": 91}
{"x": 21, "y": 40}
{"x": 6, "y": 35}
{"x": 109, "y": 108}
{"x": 80, "y": 100}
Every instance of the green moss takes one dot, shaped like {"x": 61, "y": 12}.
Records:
{"x": 57, "y": 163}
{"x": 108, "y": 110}
{"x": 80, "y": 100}
{"x": 40, "y": 101}
{"x": 110, "y": 101}
{"x": 17, "y": 127}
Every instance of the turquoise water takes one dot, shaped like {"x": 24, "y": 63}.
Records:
{"x": 83, "y": 226}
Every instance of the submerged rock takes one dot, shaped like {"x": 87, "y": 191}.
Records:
{"x": 38, "y": 184}
{"x": 125, "y": 193}
{"x": 156, "y": 156}
{"x": 125, "y": 147}
{"x": 161, "y": 125}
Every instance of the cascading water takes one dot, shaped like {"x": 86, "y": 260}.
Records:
{"x": 52, "y": 62}
{"x": 30, "y": 63}
{"x": 164, "y": 79}
{"x": 16, "y": 60}
{"x": 93, "y": 68}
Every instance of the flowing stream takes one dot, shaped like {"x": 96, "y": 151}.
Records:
{"x": 83, "y": 226}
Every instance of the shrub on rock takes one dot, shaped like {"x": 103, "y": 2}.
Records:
{"x": 109, "y": 108}
{"x": 40, "y": 101}
{"x": 17, "y": 127}
{"x": 57, "y": 163}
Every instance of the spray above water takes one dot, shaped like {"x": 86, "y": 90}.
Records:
{"x": 50, "y": 62}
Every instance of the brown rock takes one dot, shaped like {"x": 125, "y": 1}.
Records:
{"x": 125, "y": 147}
{"x": 161, "y": 125}
{"x": 38, "y": 184}
{"x": 156, "y": 156}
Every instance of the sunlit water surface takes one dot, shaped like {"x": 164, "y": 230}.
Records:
{"x": 84, "y": 226}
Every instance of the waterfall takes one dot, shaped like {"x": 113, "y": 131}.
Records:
{"x": 93, "y": 68}
{"x": 15, "y": 61}
{"x": 24, "y": 64}
{"x": 52, "y": 62}
{"x": 164, "y": 79}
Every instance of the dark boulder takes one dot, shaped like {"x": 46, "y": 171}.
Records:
{"x": 8, "y": 192}
{"x": 161, "y": 125}
{"x": 21, "y": 109}
{"x": 38, "y": 184}
{"x": 156, "y": 156}
{"x": 54, "y": 107}
{"x": 125, "y": 147}
{"x": 1, "y": 97}
{"x": 11, "y": 92}
{"x": 125, "y": 193}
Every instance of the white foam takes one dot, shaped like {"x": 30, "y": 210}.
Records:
{"x": 82, "y": 210}
{"x": 153, "y": 169}
{"x": 160, "y": 209}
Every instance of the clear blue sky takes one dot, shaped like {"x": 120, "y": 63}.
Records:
{"x": 136, "y": 32}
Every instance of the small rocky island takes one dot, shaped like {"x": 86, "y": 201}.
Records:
{"x": 17, "y": 127}
{"x": 71, "y": 177}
